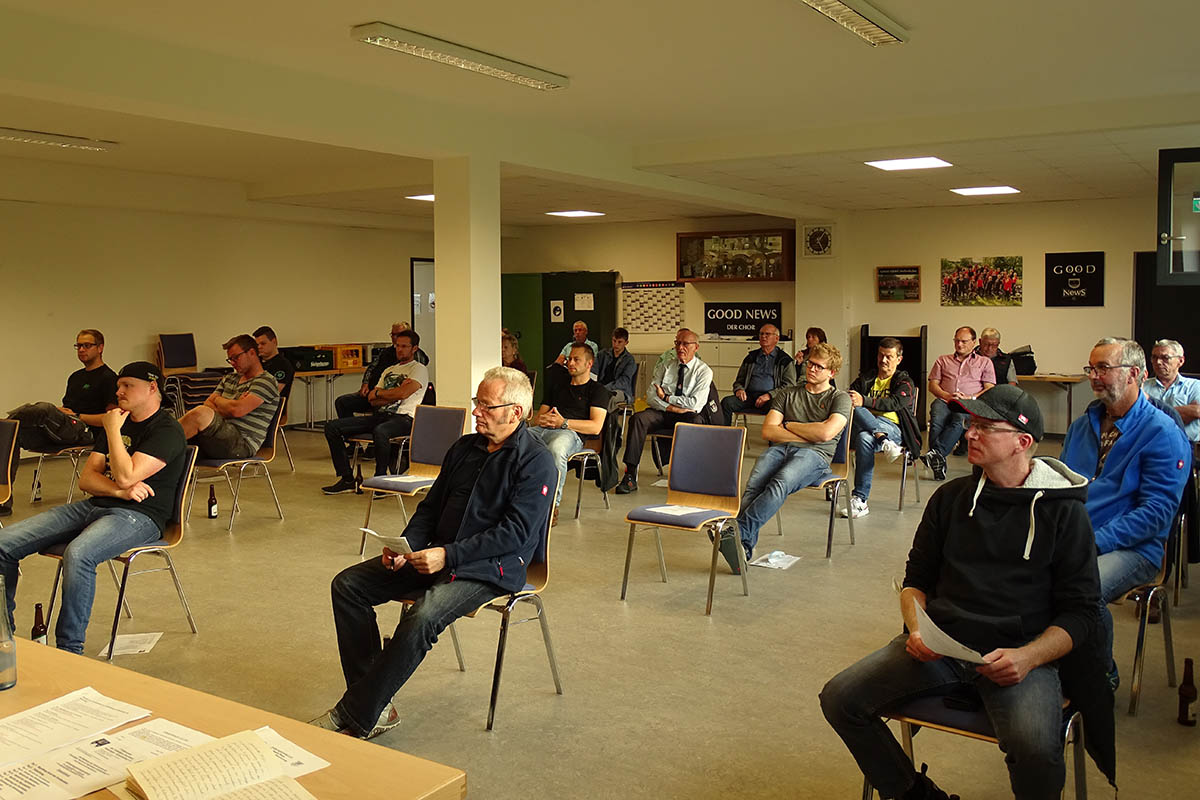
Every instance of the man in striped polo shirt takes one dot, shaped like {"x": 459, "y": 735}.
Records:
{"x": 233, "y": 421}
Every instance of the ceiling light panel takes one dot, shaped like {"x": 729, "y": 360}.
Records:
{"x": 976, "y": 191}
{"x": 862, "y": 19}
{"x": 428, "y": 198}
{"x": 897, "y": 164}
{"x": 401, "y": 40}
{"x": 575, "y": 213}
{"x": 64, "y": 141}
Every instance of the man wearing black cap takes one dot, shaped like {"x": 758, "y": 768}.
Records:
{"x": 1004, "y": 562}
{"x": 142, "y": 448}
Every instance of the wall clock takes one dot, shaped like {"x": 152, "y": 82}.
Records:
{"x": 818, "y": 240}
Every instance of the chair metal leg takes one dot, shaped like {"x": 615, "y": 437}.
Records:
{"x": 234, "y": 489}
{"x": 504, "y": 617}
{"x": 628, "y": 558}
{"x": 179, "y": 589}
{"x": 849, "y": 516}
{"x": 741, "y": 551}
{"x": 545, "y": 623}
{"x": 868, "y": 789}
{"x": 362, "y": 544}
{"x": 1139, "y": 654}
{"x": 37, "y": 476}
{"x": 916, "y": 483}
{"x": 779, "y": 521}
{"x": 191, "y": 490}
{"x": 267, "y": 473}
{"x": 75, "y": 456}
{"x": 832, "y": 513}
{"x": 906, "y": 737}
{"x": 54, "y": 592}
{"x": 462, "y": 665}
{"x": 112, "y": 641}
{"x": 903, "y": 480}
{"x": 579, "y": 494}
{"x": 712, "y": 570}
{"x": 403, "y": 508}
{"x": 117, "y": 582}
{"x": 1168, "y": 640}
{"x": 1075, "y": 741}
{"x": 662, "y": 561}
{"x": 287, "y": 449}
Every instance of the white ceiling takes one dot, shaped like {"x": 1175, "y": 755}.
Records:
{"x": 768, "y": 100}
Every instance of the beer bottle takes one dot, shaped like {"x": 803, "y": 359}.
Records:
{"x": 358, "y": 480}
{"x": 38, "y": 634}
{"x": 1187, "y": 695}
{"x": 212, "y": 502}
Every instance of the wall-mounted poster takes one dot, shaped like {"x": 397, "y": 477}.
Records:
{"x": 737, "y": 256}
{"x": 1075, "y": 279}
{"x": 898, "y": 284}
{"x": 652, "y": 306}
{"x": 987, "y": 281}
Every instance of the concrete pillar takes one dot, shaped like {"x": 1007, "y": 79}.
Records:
{"x": 466, "y": 245}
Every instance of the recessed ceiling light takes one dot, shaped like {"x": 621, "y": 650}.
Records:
{"x": 924, "y": 162}
{"x": 973, "y": 191}
{"x": 401, "y": 40}
{"x": 56, "y": 140}
{"x": 575, "y": 213}
{"x": 428, "y": 198}
{"x": 862, "y": 19}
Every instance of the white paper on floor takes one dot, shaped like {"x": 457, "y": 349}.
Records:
{"x": 776, "y": 559}
{"x": 663, "y": 482}
{"x": 129, "y": 644}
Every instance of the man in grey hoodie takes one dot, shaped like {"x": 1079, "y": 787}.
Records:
{"x": 1004, "y": 562}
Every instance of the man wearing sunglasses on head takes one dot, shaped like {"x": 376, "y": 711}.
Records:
{"x": 234, "y": 420}
{"x": 347, "y": 405}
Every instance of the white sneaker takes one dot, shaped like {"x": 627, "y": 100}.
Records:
{"x": 891, "y": 450}
{"x": 857, "y": 507}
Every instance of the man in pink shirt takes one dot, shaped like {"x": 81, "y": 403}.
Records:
{"x": 961, "y": 375}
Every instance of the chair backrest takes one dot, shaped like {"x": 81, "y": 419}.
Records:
{"x": 537, "y": 573}
{"x": 266, "y": 451}
{"x": 174, "y": 530}
{"x": 176, "y": 353}
{"x": 706, "y": 466}
{"x": 840, "y": 465}
{"x": 434, "y": 429}
{"x": 8, "y": 451}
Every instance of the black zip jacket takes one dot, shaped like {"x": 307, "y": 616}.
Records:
{"x": 783, "y": 367}
{"x": 902, "y": 401}
{"x": 506, "y": 515}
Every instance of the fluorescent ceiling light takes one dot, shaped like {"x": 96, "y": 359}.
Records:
{"x": 973, "y": 191}
{"x": 381, "y": 34}
{"x": 863, "y": 20}
{"x": 575, "y": 213}
{"x": 55, "y": 140}
{"x": 925, "y": 162}
{"x": 428, "y": 198}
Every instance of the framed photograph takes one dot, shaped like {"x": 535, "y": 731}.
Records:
{"x": 987, "y": 281}
{"x": 766, "y": 255}
{"x": 898, "y": 284}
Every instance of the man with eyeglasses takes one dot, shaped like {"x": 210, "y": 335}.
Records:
{"x": 472, "y": 537}
{"x": 91, "y": 391}
{"x": 579, "y": 335}
{"x": 1138, "y": 460}
{"x": 394, "y": 401}
{"x": 885, "y": 407}
{"x": 1003, "y": 562}
{"x": 235, "y": 418}
{"x": 347, "y": 405}
{"x": 961, "y": 375}
{"x": 801, "y": 430}
{"x": 1168, "y": 386}
{"x": 677, "y": 392}
{"x": 1002, "y": 363}
{"x": 763, "y": 371}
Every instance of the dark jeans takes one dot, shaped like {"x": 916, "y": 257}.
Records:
{"x": 382, "y": 427}
{"x": 731, "y": 406}
{"x": 347, "y": 405}
{"x": 644, "y": 423}
{"x": 1026, "y": 716}
{"x": 946, "y": 426}
{"x": 374, "y": 673}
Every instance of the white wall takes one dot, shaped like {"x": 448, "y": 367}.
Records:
{"x": 133, "y": 274}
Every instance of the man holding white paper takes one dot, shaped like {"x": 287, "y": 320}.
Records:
{"x": 1004, "y": 562}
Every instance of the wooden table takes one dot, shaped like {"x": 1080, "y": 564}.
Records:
{"x": 328, "y": 376}
{"x": 1064, "y": 382}
{"x": 357, "y": 769}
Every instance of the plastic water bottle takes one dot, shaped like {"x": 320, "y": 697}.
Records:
{"x": 8, "y": 647}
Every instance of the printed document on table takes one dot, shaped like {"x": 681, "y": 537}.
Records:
{"x": 293, "y": 758}
{"x": 675, "y": 511}
{"x": 77, "y": 715}
{"x": 397, "y": 544}
{"x": 73, "y": 771}
{"x": 939, "y": 642}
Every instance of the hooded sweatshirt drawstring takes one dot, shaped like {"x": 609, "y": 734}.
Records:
{"x": 978, "y": 491}
{"x": 1032, "y": 528}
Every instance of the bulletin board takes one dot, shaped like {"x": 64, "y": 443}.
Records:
{"x": 652, "y": 306}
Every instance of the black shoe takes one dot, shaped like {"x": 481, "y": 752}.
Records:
{"x": 729, "y": 548}
{"x": 925, "y": 789}
{"x": 342, "y": 486}
{"x": 628, "y": 483}
{"x": 936, "y": 463}
{"x": 960, "y": 449}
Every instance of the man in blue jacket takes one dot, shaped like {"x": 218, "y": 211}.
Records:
{"x": 472, "y": 537}
{"x": 1138, "y": 460}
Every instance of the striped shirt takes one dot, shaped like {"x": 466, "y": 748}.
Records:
{"x": 254, "y": 425}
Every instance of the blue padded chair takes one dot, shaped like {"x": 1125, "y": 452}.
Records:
{"x": 706, "y": 477}
{"x": 835, "y": 480}
{"x": 260, "y": 461}
{"x": 932, "y": 712}
{"x": 171, "y": 537}
{"x": 434, "y": 429}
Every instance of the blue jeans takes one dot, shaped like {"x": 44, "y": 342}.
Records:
{"x": 383, "y": 427}
{"x": 1120, "y": 571}
{"x": 95, "y": 535}
{"x": 779, "y": 471}
{"x": 732, "y": 406}
{"x": 374, "y": 673}
{"x": 562, "y": 444}
{"x": 946, "y": 426}
{"x": 867, "y": 441}
{"x": 1027, "y": 717}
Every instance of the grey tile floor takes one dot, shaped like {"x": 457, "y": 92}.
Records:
{"x": 660, "y": 701}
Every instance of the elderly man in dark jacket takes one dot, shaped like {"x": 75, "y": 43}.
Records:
{"x": 472, "y": 537}
{"x": 763, "y": 372}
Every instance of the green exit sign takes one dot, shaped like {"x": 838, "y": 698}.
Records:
{"x": 1196, "y": 203}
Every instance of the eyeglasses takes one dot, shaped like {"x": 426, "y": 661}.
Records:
{"x": 1100, "y": 370}
{"x": 817, "y": 367}
{"x": 982, "y": 426}
{"x": 686, "y": 344}
{"x": 485, "y": 407}
{"x": 233, "y": 358}
{"x": 84, "y": 345}
{"x": 1152, "y": 358}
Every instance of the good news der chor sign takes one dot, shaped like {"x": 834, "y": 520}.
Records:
{"x": 1075, "y": 279}
{"x": 741, "y": 319}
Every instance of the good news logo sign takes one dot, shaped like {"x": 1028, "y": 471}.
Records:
{"x": 741, "y": 319}
{"x": 1075, "y": 279}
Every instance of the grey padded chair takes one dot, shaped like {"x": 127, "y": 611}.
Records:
{"x": 836, "y": 480}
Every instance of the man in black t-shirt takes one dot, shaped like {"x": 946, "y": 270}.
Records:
{"x": 571, "y": 410}
{"x": 273, "y": 362}
{"x": 90, "y": 392}
{"x": 142, "y": 447}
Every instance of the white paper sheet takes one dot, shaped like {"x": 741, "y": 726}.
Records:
{"x": 129, "y": 644}
{"x": 775, "y": 560}
{"x": 675, "y": 511}
{"x": 398, "y": 544}
{"x": 80, "y": 714}
{"x": 73, "y": 771}
{"x": 209, "y": 770}
{"x": 401, "y": 480}
{"x": 294, "y": 759}
{"x": 662, "y": 483}
{"x": 939, "y": 642}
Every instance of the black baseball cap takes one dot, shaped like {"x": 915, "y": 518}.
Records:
{"x": 1006, "y": 403}
{"x": 143, "y": 371}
